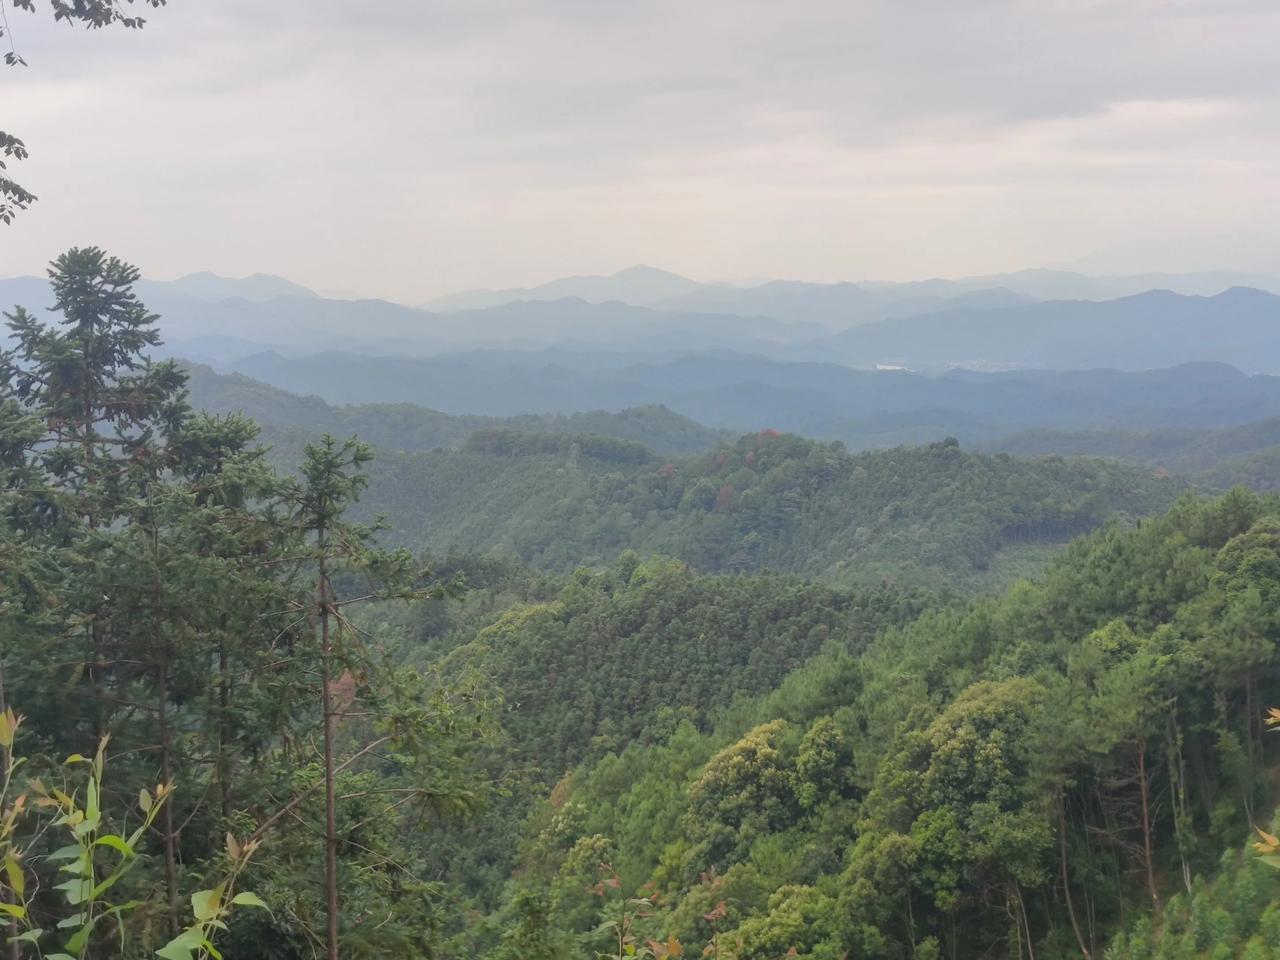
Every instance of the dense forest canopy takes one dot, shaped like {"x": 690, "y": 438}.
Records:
{"x": 637, "y": 687}
{"x": 933, "y": 515}
{"x": 1035, "y": 773}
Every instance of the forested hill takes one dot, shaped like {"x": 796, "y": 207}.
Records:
{"x": 933, "y": 515}
{"x": 1246, "y": 454}
{"x": 1028, "y": 776}
{"x": 289, "y": 420}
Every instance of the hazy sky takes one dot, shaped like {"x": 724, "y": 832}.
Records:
{"x": 403, "y": 148}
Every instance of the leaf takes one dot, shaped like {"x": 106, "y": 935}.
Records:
{"x": 81, "y": 936}
{"x": 248, "y": 899}
{"x": 144, "y": 800}
{"x": 91, "y": 810}
{"x": 233, "y": 846}
{"x": 13, "y": 869}
{"x": 115, "y": 842}
{"x": 183, "y": 945}
{"x": 77, "y": 891}
{"x": 204, "y": 903}
{"x": 29, "y": 936}
{"x": 70, "y": 852}
{"x": 6, "y": 730}
{"x": 13, "y": 909}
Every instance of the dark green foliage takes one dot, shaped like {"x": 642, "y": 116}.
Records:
{"x": 157, "y": 584}
{"x": 628, "y": 653}
{"x": 13, "y": 196}
{"x": 934, "y": 515}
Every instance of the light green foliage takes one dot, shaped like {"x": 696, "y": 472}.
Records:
{"x": 96, "y": 862}
{"x": 979, "y": 775}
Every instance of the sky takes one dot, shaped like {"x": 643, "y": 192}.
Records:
{"x": 407, "y": 148}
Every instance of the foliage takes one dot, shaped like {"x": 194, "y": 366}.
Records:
{"x": 160, "y": 583}
{"x": 1028, "y": 771}
{"x": 932, "y": 515}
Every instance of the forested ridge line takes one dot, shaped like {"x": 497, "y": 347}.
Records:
{"x": 1055, "y": 772}
{"x": 936, "y": 516}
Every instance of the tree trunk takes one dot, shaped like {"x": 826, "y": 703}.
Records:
{"x": 1144, "y": 786}
{"x": 1066, "y": 880}
{"x": 166, "y": 811}
{"x": 1026, "y": 924}
{"x": 1250, "y": 754}
{"x": 224, "y": 726}
{"x": 330, "y": 802}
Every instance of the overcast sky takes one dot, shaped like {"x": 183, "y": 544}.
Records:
{"x": 403, "y": 148}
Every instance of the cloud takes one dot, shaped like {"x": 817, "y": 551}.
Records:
{"x": 406, "y": 147}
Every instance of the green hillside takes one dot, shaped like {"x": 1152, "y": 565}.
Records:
{"x": 1030, "y": 773}
{"x": 289, "y": 420}
{"x": 934, "y": 515}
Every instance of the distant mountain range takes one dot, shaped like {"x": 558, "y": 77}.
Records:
{"x": 1240, "y": 326}
{"x": 863, "y": 408}
{"x": 288, "y": 420}
{"x": 210, "y": 287}
{"x": 639, "y": 286}
{"x": 844, "y": 303}
{"x": 269, "y": 325}
{"x": 1107, "y": 403}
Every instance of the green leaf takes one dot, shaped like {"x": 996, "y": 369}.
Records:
{"x": 204, "y": 903}
{"x": 77, "y": 891}
{"x": 13, "y": 909}
{"x": 81, "y": 936}
{"x": 248, "y": 899}
{"x": 69, "y": 852}
{"x": 80, "y": 868}
{"x": 183, "y": 945}
{"x": 115, "y": 842}
{"x": 110, "y": 882}
{"x": 66, "y": 956}
{"x": 91, "y": 811}
{"x": 29, "y": 936}
{"x": 13, "y": 870}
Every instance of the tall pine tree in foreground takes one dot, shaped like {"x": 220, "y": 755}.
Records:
{"x": 161, "y": 586}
